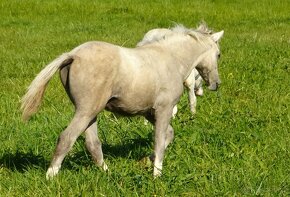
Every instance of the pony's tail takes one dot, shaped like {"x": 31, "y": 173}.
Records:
{"x": 32, "y": 99}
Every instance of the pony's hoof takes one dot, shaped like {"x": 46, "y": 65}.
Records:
{"x": 51, "y": 172}
{"x": 105, "y": 167}
{"x": 156, "y": 173}
{"x": 157, "y": 169}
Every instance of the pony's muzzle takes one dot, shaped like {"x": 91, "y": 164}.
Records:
{"x": 214, "y": 86}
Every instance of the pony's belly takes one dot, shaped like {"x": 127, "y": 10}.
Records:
{"x": 125, "y": 108}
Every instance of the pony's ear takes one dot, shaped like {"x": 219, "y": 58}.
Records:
{"x": 217, "y": 36}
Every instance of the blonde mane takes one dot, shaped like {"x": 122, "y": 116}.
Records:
{"x": 157, "y": 35}
{"x": 202, "y": 28}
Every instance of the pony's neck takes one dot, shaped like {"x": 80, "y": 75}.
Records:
{"x": 189, "y": 53}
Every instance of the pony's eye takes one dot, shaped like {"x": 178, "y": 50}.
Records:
{"x": 219, "y": 55}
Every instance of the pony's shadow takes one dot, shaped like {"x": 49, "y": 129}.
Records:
{"x": 134, "y": 149}
{"x": 22, "y": 161}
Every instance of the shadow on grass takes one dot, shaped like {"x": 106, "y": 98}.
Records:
{"x": 22, "y": 161}
{"x": 134, "y": 149}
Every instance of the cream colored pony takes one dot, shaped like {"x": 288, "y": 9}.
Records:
{"x": 147, "y": 80}
{"x": 193, "y": 82}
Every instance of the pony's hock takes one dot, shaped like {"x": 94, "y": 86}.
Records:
{"x": 98, "y": 75}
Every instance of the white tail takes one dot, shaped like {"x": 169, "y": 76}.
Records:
{"x": 32, "y": 99}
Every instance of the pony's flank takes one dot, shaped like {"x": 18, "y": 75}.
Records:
{"x": 32, "y": 99}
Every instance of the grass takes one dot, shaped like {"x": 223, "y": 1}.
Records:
{"x": 237, "y": 145}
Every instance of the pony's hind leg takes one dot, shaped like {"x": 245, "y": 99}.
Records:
{"x": 94, "y": 145}
{"x": 89, "y": 95}
{"x": 66, "y": 140}
{"x": 169, "y": 135}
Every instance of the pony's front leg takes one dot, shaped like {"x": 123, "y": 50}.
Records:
{"x": 163, "y": 116}
{"x": 192, "y": 99}
{"x": 190, "y": 84}
{"x": 94, "y": 145}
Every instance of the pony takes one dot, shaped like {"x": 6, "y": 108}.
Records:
{"x": 193, "y": 81}
{"x": 146, "y": 80}
{"x": 194, "y": 85}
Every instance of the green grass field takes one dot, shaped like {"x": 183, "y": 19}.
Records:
{"x": 237, "y": 144}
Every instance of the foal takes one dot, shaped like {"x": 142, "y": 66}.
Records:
{"x": 146, "y": 80}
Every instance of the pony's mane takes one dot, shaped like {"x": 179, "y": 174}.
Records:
{"x": 201, "y": 29}
{"x": 198, "y": 33}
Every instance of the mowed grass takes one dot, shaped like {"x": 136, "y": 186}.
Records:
{"x": 237, "y": 144}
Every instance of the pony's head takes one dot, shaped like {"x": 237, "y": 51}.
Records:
{"x": 208, "y": 65}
